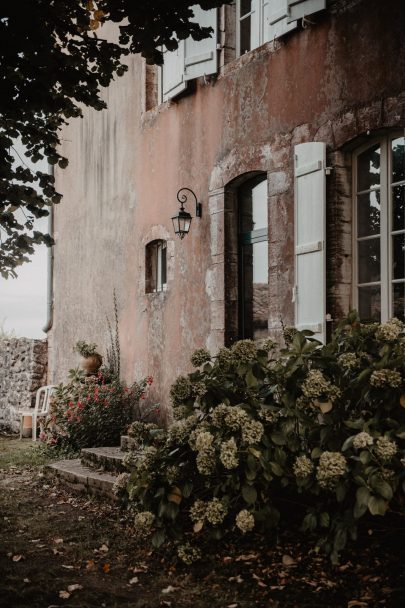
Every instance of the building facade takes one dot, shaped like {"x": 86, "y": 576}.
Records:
{"x": 288, "y": 125}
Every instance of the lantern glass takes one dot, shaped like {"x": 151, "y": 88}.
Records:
{"x": 181, "y": 223}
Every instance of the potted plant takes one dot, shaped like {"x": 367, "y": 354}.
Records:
{"x": 91, "y": 359}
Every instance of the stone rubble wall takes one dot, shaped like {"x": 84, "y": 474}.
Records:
{"x": 23, "y": 369}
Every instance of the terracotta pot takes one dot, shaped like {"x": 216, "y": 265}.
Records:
{"x": 91, "y": 364}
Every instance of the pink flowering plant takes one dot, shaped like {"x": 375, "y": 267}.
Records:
{"x": 92, "y": 412}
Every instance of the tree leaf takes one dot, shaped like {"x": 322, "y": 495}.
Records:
{"x": 249, "y": 494}
{"x": 377, "y": 506}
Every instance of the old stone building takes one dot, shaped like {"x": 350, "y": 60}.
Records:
{"x": 288, "y": 126}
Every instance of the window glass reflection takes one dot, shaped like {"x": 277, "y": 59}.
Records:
{"x": 398, "y": 159}
{"x": 368, "y": 168}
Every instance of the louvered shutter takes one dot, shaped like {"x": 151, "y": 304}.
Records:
{"x": 275, "y": 14}
{"x": 303, "y": 8}
{"x": 310, "y": 199}
{"x": 172, "y": 73}
{"x": 200, "y": 57}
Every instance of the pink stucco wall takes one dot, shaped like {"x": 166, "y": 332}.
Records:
{"x": 332, "y": 82}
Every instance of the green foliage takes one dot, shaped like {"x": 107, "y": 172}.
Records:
{"x": 316, "y": 432}
{"x": 55, "y": 59}
{"x": 91, "y": 413}
{"x": 86, "y": 349}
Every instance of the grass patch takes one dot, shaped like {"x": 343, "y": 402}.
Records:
{"x": 26, "y": 453}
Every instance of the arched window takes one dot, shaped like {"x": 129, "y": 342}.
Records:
{"x": 379, "y": 213}
{"x": 155, "y": 266}
{"x": 253, "y": 259}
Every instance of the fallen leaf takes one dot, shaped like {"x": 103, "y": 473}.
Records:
{"x": 27, "y": 580}
{"x": 106, "y": 568}
{"x": 89, "y": 564}
{"x": 288, "y": 560}
{"x": 64, "y": 595}
{"x": 18, "y": 558}
{"x": 356, "y": 604}
{"x": 198, "y": 526}
{"x": 67, "y": 567}
{"x": 58, "y": 541}
{"x": 169, "y": 589}
{"x": 232, "y": 606}
{"x": 104, "y": 549}
{"x": 74, "y": 587}
{"x": 134, "y": 580}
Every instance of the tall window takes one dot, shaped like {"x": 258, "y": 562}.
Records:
{"x": 379, "y": 183}
{"x": 251, "y": 24}
{"x": 253, "y": 259}
{"x": 155, "y": 266}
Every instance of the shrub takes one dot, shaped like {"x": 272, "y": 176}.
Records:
{"x": 86, "y": 349}
{"x": 92, "y": 413}
{"x": 316, "y": 432}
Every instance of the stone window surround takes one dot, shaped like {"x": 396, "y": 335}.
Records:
{"x": 342, "y": 135}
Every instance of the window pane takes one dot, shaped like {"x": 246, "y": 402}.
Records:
{"x": 245, "y": 37}
{"x": 368, "y": 213}
{"x": 255, "y": 303}
{"x": 369, "y": 261}
{"x": 253, "y": 207}
{"x": 368, "y": 168}
{"x": 398, "y": 206}
{"x": 398, "y": 301}
{"x": 370, "y": 303}
{"x": 164, "y": 264}
{"x": 398, "y": 159}
{"x": 245, "y": 7}
{"x": 398, "y": 253}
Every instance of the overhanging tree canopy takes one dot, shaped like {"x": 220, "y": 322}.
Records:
{"x": 53, "y": 60}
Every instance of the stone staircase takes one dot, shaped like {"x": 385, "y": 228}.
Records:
{"x": 94, "y": 472}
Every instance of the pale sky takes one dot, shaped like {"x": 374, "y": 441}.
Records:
{"x": 23, "y": 300}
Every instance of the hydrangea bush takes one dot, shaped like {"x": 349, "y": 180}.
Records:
{"x": 261, "y": 438}
{"x": 92, "y": 412}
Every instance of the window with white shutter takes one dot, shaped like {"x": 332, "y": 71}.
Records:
{"x": 278, "y": 22}
{"x": 200, "y": 56}
{"x": 172, "y": 81}
{"x": 302, "y": 8}
{"x": 310, "y": 202}
{"x": 192, "y": 59}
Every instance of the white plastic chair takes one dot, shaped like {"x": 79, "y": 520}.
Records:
{"x": 41, "y": 409}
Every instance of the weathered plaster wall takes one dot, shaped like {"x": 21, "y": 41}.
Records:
{"x": 23, "y": 367}
{"x": 337, "y": 81}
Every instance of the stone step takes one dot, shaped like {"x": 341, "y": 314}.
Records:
{"x": 105, "y": 458}
{"x": 127, "y": 443}
{"x": 74, "y": 475}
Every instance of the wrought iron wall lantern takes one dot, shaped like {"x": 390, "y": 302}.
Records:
{"x": 182, "y": 221}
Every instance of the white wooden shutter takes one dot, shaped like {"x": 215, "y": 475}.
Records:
{"x": 309, "y": 242}
{"x": 275, "y": 14}
{"x": 172, "y": 73}
{"x": 200, "y": 57}
{"x": 303, "y": 8}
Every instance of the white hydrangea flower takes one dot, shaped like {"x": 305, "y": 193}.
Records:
{"x": 390, "y": 330}
{"x": 203, "y": 440}
{"x": 332, "y": 465}
{"x": 197, "y": 511}
{"x": 229, "y": 454}
{"x": 245, "y": 521}
{"x": 362, "y": 440}
{"x": 188, "y": 554}
{"x": 206, "y": 461}
{"x": 386, "y": 449}
{"x": 252, "y": 432}
{"x": 385, "y": 377}
{"x": 303, "y": 466}
{"x": 143, "y": 522}
{"x": 120, "y": 484}
{"x": 215, "y": 511}
{"x": 349, "y": 361}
